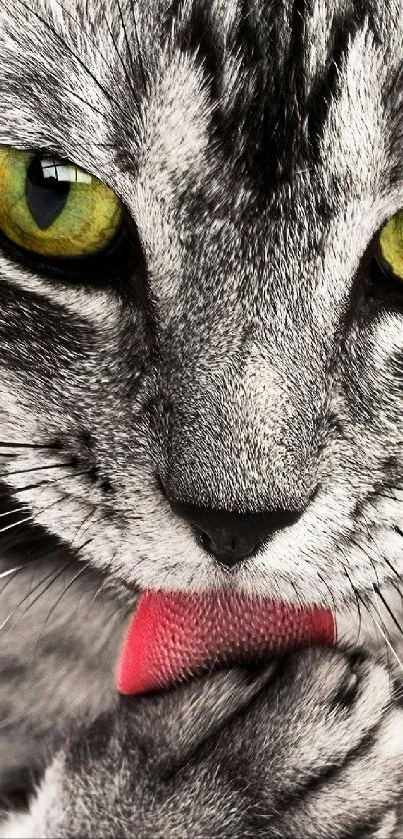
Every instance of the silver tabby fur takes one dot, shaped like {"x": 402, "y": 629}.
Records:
{"x": 243, "y": 359}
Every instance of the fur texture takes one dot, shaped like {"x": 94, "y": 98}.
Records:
{"x": 242, "y": 353}
{"x": 236, "y": 754}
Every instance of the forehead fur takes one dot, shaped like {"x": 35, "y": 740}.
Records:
{"x": 259, "y": 66}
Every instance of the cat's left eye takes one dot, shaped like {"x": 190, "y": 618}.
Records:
{"x": 52, "y": 208}
{"x": 390, "y": 247}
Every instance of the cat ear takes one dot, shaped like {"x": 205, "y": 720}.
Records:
{"x": 173, "y": 723}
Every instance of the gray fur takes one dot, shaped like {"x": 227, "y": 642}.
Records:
{"x": 249, "y": 362}
{"x": 211, "y": 759}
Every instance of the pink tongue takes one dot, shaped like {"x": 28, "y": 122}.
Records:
{"x": 173, "y": 635}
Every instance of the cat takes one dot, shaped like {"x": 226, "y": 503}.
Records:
{"x": 211, "y": 400}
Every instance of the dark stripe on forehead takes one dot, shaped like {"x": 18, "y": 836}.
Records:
{"x": 393, "y": 107}
{"x": 196, "y": 34}
{"x": 270, "y": 118}
{"x": 345, "y": 27}
{"x": 238, "y": 66}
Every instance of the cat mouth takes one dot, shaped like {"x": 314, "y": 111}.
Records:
{"x": 175, "y": 635}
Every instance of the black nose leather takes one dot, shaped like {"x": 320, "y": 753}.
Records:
{"x": 232, "y": 537}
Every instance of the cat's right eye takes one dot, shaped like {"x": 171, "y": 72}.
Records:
{"x": 389, "y": 253}
{"x": 52, "y": 208}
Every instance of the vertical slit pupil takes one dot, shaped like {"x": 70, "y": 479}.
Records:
{"x": 46, "y": 195}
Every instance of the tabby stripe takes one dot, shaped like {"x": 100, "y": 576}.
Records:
{"x": 290, "y": 800}
{"x": 100, "y": 307}
{"x": 346, "y": 26}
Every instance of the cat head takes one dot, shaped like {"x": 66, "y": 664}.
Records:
{"x": 215, "y": 400}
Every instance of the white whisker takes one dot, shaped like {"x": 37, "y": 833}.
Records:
{"x": 385, "y": 636}
{"x": 13, "y": 570}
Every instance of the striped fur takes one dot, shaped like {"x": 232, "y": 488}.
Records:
{"x": 242, "y": 355}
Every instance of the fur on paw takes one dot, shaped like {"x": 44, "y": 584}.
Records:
{"x": 310, "y": 747}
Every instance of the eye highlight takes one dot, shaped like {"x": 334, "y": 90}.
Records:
{"x": 390, "y": 247}
{"x": 52, "y": 208}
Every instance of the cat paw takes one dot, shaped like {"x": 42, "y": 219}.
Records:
{"x": 310, "y": 747}
{"x": 334, "y": 768}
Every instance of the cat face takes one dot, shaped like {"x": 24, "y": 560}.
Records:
{"x": 239, "y": 351}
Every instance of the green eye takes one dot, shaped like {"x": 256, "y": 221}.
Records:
{"x": 53, "y": 208}
{"x": 390, "y": 246}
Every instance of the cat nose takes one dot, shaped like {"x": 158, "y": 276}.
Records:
{"x": 230, "y": 536}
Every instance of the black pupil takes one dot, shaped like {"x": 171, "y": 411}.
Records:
{"x": 46, "y": 195}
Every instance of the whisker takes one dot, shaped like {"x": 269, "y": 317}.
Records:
{"x": 67, "y": 46}
{"x": 32, "y": 517}
{"x": 377, "y": 588}
{"x": 381, "y": 629}
{"x": 58, "y": 574}
{"x": 65, "y": 590}
{"x": 13, "y": 570}
{"x": 384, "y": 634}
{"x": 100, "y": 588}
{"x": 384, "y": 558}
{"x": 322, "y": 579}
{"x": 388, "y": 609}
{"x": 119, "y": 55}
{"x": 357, "y": 600}
{"x": 35, "y": 469}
{"x": 12, "y": 573}
{"x": 397, "y": 590}
{"x": 15, "y": 445}
{"x": 392, "y": 568}
{"x": 44, "y": 484}
{"x": 104, "y": 582}
{"x": 53, "y": 576}
{"x": 122, "y": 20}
{"x": 47, "y": 482}
{"x": 369, "y": 557}
{"x": 84, "y": 101}
{"x": 86, "y": 34}
{"x": 140, "y": 56}
{"x": 16, "y": 510}
{"x": 49, "y": 507}
{"x": 71, "y": 582}
{"x": 101, "y": 518}
{"x": 31, "y": 591}
{"x": 85, "y": 519}
{"x": 12, "y": 491}
{"x": 15, "y": 524}
{"x": 72, "y": 91}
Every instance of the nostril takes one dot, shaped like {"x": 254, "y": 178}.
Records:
{"x": 229, "y": 550}
{"x": 218, "y": 543}
{"x": 231, "y": 536}
{"x": 228, "y": 553}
